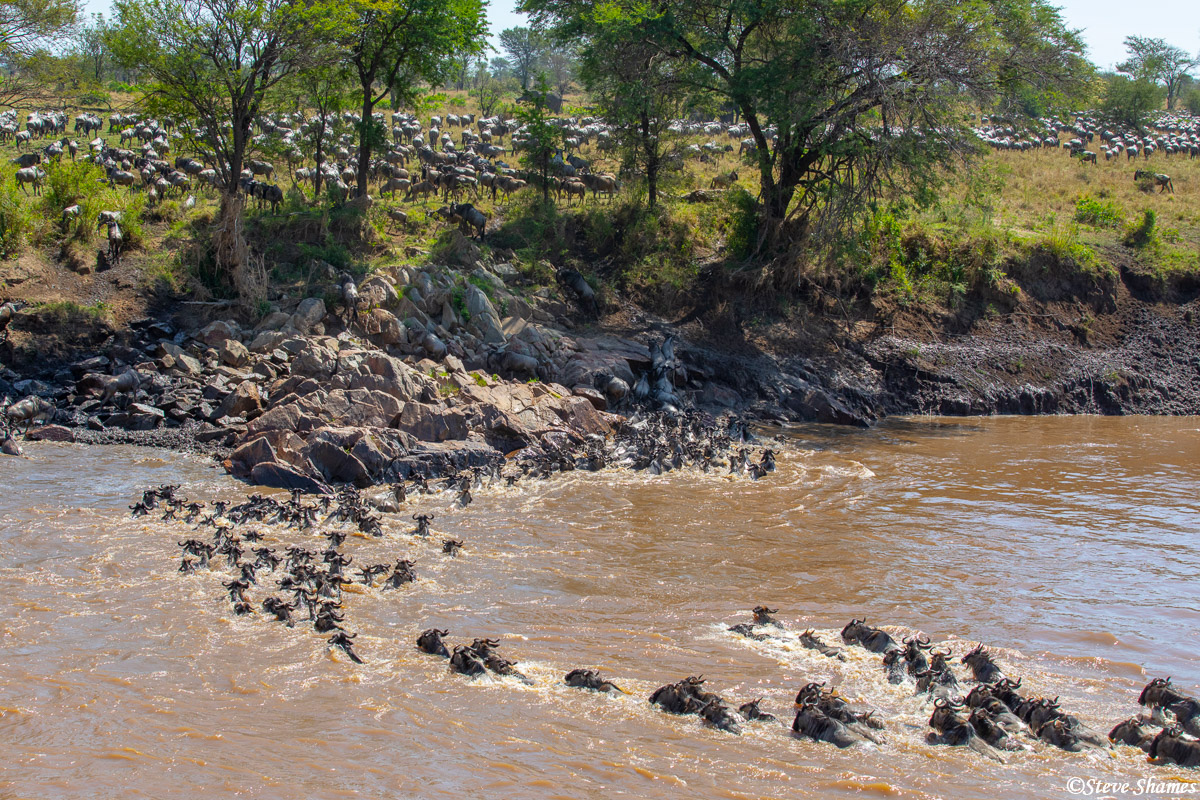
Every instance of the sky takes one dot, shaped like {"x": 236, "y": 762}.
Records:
{"x": 1105, "y": 23}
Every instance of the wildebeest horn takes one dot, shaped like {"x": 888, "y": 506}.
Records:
{"x": 809, "y": 632}
{"x": 940, "y": 703}
{"x": 1017, "y": 684}
{"x": 922, "y": 638}
{"x": 907, "y": 640}
{"x": 946, "y": 654}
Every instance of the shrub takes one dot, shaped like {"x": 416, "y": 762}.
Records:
{"x": 16, "y": 220}
{"x": 1098, "y": 213}
{"x": 1142, "y": 234}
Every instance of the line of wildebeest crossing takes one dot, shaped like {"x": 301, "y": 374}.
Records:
{"x": 990, "y": 717}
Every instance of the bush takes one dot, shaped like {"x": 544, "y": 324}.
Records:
{"x": 1142, "y": 234}
{"x": 1098, "y": 213}
{"x": 17, "y": 220}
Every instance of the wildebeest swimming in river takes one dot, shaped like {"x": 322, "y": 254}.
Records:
{"x": 430, "y": 641}
{"x": 833, "y": 705}
{"x": 983, "y": 667}
{"x": 590, "y": 679}
{"x": 951, "y": 728}
{"x": 811, "y": 641}
{"x": 1135, "y": 731}
{"x": 1170, "y": 745}
{"x": 873, "y": 639}
{"x": 1160, "y": 693}
{"x": 753, "y": 713}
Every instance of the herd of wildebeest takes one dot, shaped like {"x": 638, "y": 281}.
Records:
{"x": 461, "y": 157}
{"x": 981, "y": 708}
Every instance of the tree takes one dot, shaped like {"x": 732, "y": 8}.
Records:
{"x": 501, "y": 68}
{"x": 560, "y": 62}
{"x": 1155, "y": 61}
{"x": 27, "y": 26}
{"x": 91, "y": 44}
{"x": 489, "y": 93}
{"x": 27, "y": 29}
{"x": 392, "y": 45}
{"x": 525, "y": 48}
{"x": 215, "y": 63}
{"x": 638, "y": 90}
{"x": 543, "y": 140}
{"x": 325, "y": 86}
{"x": 845, "y": 99}
{"x": 1129, "y": 102}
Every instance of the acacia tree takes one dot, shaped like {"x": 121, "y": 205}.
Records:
{"x": 27, "y": 29}
{"x": 1156, "y": 61}
{"x": 844, "y": 98}
{"x": 325, "y": 86}
{"x": 91, "y": 45}
{"x": 525, "y": 48}
{"x": 542, "y": 139}
{"x": 215, "y": 63}
{"x": 392, "y": 45}
{"x": 27, "y": 26}
{"x": 639, "y": 91}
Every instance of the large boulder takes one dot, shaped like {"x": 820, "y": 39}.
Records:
{"x": 484, "y": 318}
{"x": 244, "y": 401}
{"x": 429, "y": 423}
{"x": 378, "y": 291}
{"x": 383, "y": 328}
{"x": 282, "y": 476}
{"x": 286, "y": 417}
{"x": 355, "y": 408}
{"x": 336, "y": 464}
{"x": 217, "y": 332}
{"x": 310, "y": 312}
{"x": 315, "y": 361}
{"x": 233, "y": 353}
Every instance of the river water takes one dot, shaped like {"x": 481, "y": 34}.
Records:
{"x": 1069, "y": 546}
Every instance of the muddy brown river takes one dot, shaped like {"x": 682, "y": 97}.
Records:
{"x": 1069, "y": 545}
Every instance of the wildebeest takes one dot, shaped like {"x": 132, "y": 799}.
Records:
{"x": 430, "y": 641}
{"x": 914, "y": 653}
{"x": 951, "y": 728}
{"x": 1160, "y": 693}
{"x": 754, "y": 713}
{"x": 811, "y": 641}
{"x": 1170, "y": 745}
{"x": 982, "y": 666}
{"x": 32, "y": 176}
{"x": 833, "y": 705}
{"x": 873, "y": 639}
{"x": 1135, "y": 731}
{"x": 684, "y": 697}
{"x": 574, "y": 280}
{"x": 590, "y": 679}
{"x": 938, "y": 684}
{"x": 1163, "y": 182}
{"x": 7, "y": 311}
{"x": 814, "y": 723}
{"x": 29, "y": 410}
{"x": 466, "y": 216}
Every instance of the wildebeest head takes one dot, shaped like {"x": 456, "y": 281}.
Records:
{"x": 762, "y": 614}
{"x": 913, "y": 645}
{"x": 1159, "y": 692}
{"x": 856, "y": 630}
{"x": 811, "y": 692}
{"x": 945, "y": 714}
{"x": 939, "y": 660}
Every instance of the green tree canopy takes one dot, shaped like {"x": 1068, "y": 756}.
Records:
{"x": 395, "y": 45}
{"x": 1155, "y": 61}
{"x": 525, "y": 48}
{"x": 845, "y": 98}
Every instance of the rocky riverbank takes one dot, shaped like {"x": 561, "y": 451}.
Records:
{"x": 444, "y": 369}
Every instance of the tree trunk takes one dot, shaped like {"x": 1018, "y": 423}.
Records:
{"x": 320, "y": 160}
{"x": 364, "y": 141}
{"x": 232, "y": 255}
